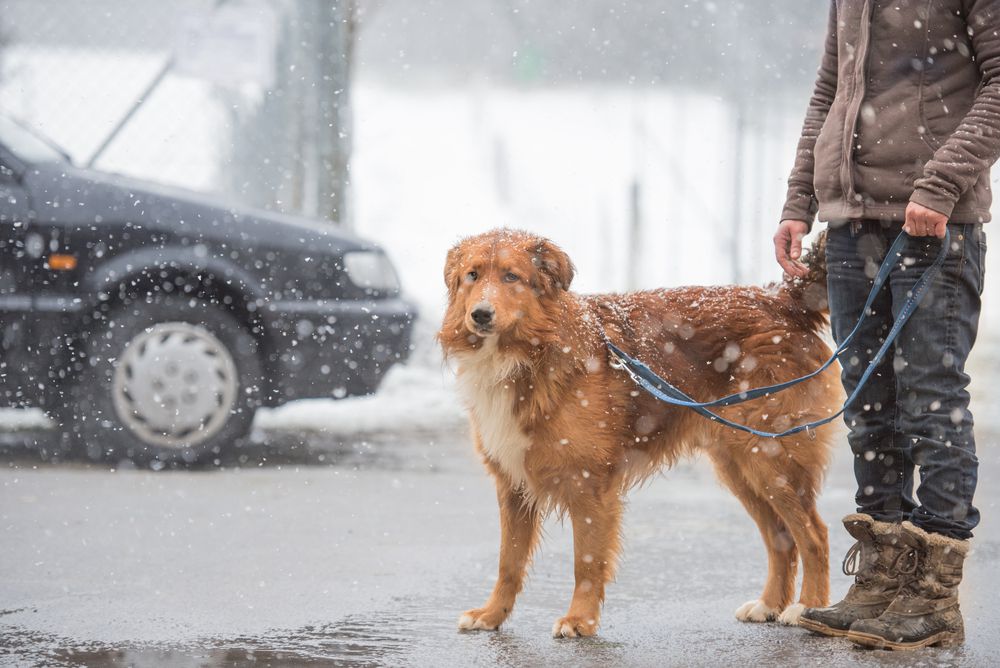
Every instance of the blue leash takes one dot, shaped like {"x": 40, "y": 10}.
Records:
{"x": 667, "y": 393}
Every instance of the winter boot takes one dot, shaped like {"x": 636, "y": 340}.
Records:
{"x": 871, "y": 562}
{"x": 925, "y": 612}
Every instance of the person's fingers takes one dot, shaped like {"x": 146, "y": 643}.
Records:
{"x": 789, "y": 266}
{"x": 787, "y": 248}
{"x": 796, "y": 246}
{"x": 908, "y": 222}
{"x": 923, "y": 222}
{"x": 937, "y": 223}
{"x": 940, "y": 228}
{"x": 781, "y": 239}
{"x": 916, "y": 222}
{"x": 797, "y": 269}
{"x": 780, "y": 245}
{"x": 786, "y": 263}
{"x": 929, "y": 225}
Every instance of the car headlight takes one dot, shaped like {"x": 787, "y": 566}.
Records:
{"x": 371, "y": 270}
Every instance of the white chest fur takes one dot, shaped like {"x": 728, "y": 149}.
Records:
{"x": 484, "y": 381}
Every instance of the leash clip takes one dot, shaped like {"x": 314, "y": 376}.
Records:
{"x": 619, "y": 364}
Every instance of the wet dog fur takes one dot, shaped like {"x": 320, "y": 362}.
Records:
{"x": 560, "y": 430}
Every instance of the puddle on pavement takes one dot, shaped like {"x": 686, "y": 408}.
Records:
{"x": 363, "y": 643}
{"x": 352, "y": 642}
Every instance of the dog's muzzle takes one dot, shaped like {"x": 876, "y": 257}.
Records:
{"x": 482, "y": 318}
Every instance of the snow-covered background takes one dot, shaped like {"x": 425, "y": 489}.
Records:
{"x": 433, "y": 165}
{"x": 435, "y": 162}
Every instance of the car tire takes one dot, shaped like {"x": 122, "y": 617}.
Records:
{"x": 172, "y": 380}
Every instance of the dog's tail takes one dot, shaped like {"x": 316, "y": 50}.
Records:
{"x": 806, "y": 298}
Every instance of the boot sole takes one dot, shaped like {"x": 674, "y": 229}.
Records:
{"x": 822, "y": 629}
{"x": 943, "y": 639}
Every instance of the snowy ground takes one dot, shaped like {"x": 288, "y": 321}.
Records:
{"x": 316, "y": 549}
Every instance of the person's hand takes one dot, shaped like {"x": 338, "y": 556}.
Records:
{"x": 924, "y": 222}
{"x": 788, "y": 246}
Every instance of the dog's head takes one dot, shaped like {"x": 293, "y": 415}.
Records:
{"x": 503, "y": 283}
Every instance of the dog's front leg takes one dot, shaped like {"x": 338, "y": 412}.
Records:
{"x": 596, "y": 521}
{"x": 520, "y": 524}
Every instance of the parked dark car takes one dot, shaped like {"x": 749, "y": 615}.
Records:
{"x": 151, "y": 322}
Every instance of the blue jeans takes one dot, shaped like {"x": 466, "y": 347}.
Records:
{"x": 914, "y": 411}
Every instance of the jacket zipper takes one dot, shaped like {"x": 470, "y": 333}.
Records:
{"x": 851, "y": 120}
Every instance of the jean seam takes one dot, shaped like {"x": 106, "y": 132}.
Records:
{"x": 981, "y": 243}
{"x": 900, "y": 464}
{"x": 953, "y": 300}
{"x": 967, "y": 481}
{"x": 950, "y": 315}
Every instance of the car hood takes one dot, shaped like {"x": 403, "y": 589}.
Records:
{"x": 91, "y": 198}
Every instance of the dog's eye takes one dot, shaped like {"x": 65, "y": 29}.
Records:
{"x": 511, "y": 277}
{"x": 472, "y": 276}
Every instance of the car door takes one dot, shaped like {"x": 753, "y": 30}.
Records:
{"x": 15, "y": 298}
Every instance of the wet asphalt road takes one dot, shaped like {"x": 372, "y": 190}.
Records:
{"x": 311, "y": 549}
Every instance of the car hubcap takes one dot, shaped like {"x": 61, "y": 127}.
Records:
{"x": 175, "y": 385}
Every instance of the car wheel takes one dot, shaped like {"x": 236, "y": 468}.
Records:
{"x": 168, "y": 381}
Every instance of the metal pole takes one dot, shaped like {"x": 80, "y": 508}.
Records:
{"x": 337, "y": 27}
{"x": 738, "y": 199}
{"x": 635, "y": 233}
{"x": 633, "y": 262}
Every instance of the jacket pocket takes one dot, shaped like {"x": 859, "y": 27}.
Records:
{"x": 946, "y": 98}
{"x": 937, "y": 123}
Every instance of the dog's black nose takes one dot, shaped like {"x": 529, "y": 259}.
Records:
{"x": 482, "y": 316}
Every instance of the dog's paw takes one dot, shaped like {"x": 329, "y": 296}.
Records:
{"x": 572, "y": 626}
{"x": 480, "y": 619}
{"x": 790, "y": 615}
{"x": 756, "y": 611}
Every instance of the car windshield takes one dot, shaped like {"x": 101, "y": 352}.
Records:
{"x": 25, "y": 145}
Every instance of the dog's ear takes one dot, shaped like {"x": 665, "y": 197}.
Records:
{"x": 452, "y": 263}
{"x": 553, "y": 264}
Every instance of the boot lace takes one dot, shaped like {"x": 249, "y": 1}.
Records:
{"x": 852, "y": 560}
{"x": 906, "y": 566}
{"x": 906, "y": 562}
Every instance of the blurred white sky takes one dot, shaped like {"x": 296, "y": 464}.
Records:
{"x": 435, "y": 162}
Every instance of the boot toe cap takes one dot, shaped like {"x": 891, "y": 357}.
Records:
{"x": 824, "y": 620}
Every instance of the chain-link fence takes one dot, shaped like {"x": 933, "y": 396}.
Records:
{"x": 249, "y": 98}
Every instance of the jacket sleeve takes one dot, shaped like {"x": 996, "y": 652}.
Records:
{"x": 975, "y": 144}
{"x": 800, "y": 202}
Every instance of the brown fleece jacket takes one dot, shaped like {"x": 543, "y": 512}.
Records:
{"x": 906, "y": 108}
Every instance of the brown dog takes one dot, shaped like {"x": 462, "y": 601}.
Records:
{"x": 560, "y": 429}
